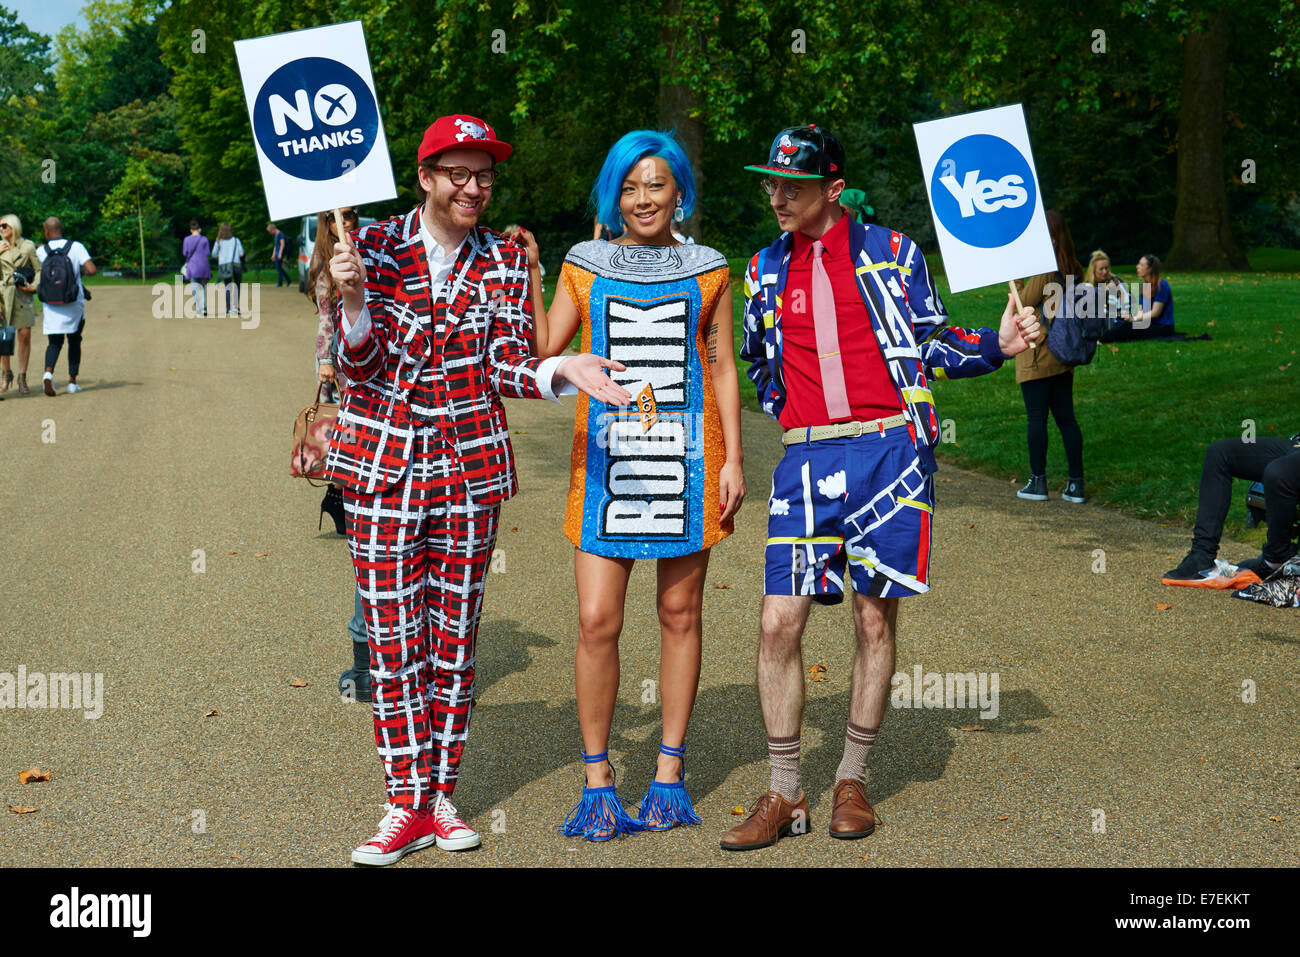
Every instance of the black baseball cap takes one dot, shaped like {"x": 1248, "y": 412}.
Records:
{"x": 804, "y": 152}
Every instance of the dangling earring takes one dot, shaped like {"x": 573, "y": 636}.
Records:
{"x": 678, "y": 213}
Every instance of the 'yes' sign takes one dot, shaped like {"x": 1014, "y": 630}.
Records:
{"x": 988, "y": 212}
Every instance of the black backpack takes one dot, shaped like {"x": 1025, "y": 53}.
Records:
{"x": 1075, "y": 332}
{"x": 59, "y": 277}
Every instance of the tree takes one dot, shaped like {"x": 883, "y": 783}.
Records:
{"x": 128, "y": 204}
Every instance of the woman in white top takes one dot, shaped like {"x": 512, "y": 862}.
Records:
{"x": 229, "y": 254}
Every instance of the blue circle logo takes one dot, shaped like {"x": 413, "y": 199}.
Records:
{"x": 983, "y": 191}
{"x": 315, "y": 118}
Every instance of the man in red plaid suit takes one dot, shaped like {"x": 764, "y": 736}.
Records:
{"x": 436, "y": 330}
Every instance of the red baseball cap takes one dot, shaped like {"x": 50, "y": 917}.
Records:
{"x": 462, "y": 132}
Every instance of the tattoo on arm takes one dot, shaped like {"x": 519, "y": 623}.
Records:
{"x": 711, "y": 342}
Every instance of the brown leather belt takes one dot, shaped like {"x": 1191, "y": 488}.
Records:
{"x": 842, "y": 430}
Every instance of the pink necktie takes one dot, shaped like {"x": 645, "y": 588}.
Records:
{"x": 828, "y": 338}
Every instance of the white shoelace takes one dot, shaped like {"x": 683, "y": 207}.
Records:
{"x": 445, "y": 813}
{"x": 393, "y": 822}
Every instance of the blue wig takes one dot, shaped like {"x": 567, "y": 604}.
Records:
{"x": 626, "y": 153}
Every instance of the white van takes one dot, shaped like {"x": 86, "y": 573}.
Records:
{"x": 307, "y": 242}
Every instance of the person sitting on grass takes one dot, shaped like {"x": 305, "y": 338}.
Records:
{"x": 1112, "y": 294}
{"x": 1276, "y": 463}
{"x": 1154, "y": 317}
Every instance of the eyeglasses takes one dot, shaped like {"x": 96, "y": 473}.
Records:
{"x": 348, "y": 215}
{"x": 459, "y": 175}
{"x": 788, "y": 190}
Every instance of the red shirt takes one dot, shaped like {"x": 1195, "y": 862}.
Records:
{"x": 871, "y": 391}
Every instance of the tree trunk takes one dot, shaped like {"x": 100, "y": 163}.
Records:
{"x": 1202, "y": 229}
{"x": 139, "y": 219}
{"x": 676, "y": 102}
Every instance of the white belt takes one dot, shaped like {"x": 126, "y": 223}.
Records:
{"x": 843, "y": 430}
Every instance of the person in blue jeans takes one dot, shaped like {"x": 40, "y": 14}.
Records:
{"x": 278, "y": 245}
{"x": 354, "y": 684}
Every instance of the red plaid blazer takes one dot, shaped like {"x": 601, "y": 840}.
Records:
{"x": 478, "y": 344}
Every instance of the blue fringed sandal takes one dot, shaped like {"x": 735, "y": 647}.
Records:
{"x": 667, "y": 805}
{"x": 599, "y": 816}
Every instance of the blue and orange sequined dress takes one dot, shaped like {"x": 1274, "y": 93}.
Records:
{"x": 636, "y": 493}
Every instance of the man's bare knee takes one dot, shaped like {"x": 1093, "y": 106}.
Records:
{"x": 782, "y": 626}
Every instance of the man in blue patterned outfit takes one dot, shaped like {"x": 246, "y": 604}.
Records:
{"x": 843, "y": 328}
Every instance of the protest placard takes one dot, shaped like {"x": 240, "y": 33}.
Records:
{"x": 315, "y": 118}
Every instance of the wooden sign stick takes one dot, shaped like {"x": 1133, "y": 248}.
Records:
{"x": 1015, "y": 295}
{"x": 344, "y": 238}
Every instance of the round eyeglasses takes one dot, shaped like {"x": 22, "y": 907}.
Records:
{"x": 459, "y": 175}
{"x": 789, "y": 190}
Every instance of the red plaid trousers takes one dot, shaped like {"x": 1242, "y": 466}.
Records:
{"x": 421, "y": 551}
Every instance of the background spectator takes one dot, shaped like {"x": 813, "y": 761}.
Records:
{"x": 1154, "y": 315}
{"x": 19, "y": 271}
{"x": 1111, "y": 291}
{"x": 354, "y": 683}
{"x": 279, "y": 243}
{"x": 195, "y": 249}
{"x": 1046, "y": 383}
{"x": 63, "y": 318}
{"x": 229, "y": 254}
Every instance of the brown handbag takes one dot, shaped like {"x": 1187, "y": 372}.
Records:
{"x": 311, "y": 438}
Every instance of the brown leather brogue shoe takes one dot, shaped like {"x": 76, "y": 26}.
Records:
{"x": 771, "y": 818}
{"x": 851, "y": 814}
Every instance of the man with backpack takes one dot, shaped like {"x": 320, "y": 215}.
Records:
{"x": 63, "y": 262}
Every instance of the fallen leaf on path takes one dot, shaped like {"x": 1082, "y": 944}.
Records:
{"x": 260, "y": 554}
{"x": 297, "y": 683}
{"x": 1277, "y": 819}
{"x": 1004, "y": 817}
{"x": 35, "y": 774}
{"x": 20, "y": 808}
{"x": 1161, "y": 606}
{"x": 721, "y": 586}
{"x": 211, "y": 714}
{"x": 515, "y": 528}
{"x": 864, "y": 857}
{"x": 738, "y": 810}
{"x": 817, "y": 673}
{"x": 232, "y": 553}
{"x": 971, "y": 525}
{"x": 943, "y": 479}
{"x": 973, "y": 727}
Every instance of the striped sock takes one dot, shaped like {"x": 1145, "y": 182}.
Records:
{"x": 857, "y": 744}
{"x": 783, "y": 756}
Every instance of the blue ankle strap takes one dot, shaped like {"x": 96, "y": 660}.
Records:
{"x": 595, "y": 758}
{"x": 672, "y": 752}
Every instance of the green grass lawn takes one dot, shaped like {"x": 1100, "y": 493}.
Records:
{"x": 1148, "y": 409}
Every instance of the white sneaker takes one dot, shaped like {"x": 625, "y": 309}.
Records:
{"x": 73, "y": 388}
{"x": 452, "y": 832}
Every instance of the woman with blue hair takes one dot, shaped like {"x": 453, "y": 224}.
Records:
{"x": 661, "y": 479}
